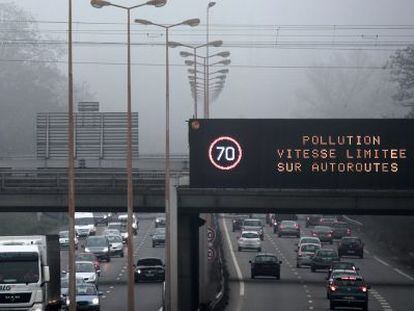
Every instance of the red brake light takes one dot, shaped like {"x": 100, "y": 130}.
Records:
{"x": 314, "y": 234}
{"x": 333, "y": 288}
{"x": 348, "y": 231}
{"x": 363, "y": 289}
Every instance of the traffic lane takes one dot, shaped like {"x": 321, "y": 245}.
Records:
{"x": 390, "y": 290}
{"x": 314, "y": 282}
{"x": 262, "y": 292}
{"x": 148, "y": 296}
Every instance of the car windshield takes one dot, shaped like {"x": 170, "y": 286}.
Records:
{"x": 117, "y": 226}
{"x": 86, "y": 290}
{"x": 310, "y": 240}
{"x": 149, "y": 262}
{"x": 250, "y": 235}
{"x": 84, "y": 221}
{"x": 343, "y": 265}
{"x": 159, "y": 231}
{"x": 343, "y": 274}
{"x": 19, "y": 268}
{"x": 351, "y": 241}
{"x": 114, "y": 239}
{"x": 64, "y": 234}
{"x": 323, "y": 229}
{"x": 252, "y": 223}
{"x": 96, "y": 241}
{"x": 309, "y": 248}
{"x": 86, "y": 257}
{"x": 289, "y": 223}
{"x": 349, "y": 282}
{"x": 327, "y": 253}
{"x": 340, "y": 225}
{"x": 85, "y": 267}
{"x": 265, "y": 259}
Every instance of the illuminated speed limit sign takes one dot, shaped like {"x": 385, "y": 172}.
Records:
{"x": 225, "y": 153}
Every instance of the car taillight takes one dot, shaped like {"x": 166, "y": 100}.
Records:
{"x": 282, "y": 226}
{"x": 333, "y": 288}
{"x": 348, "y": 231}
{"x": 364, "y": 289}
{"x": 314, "y": 234}
{"x": 296, "y": 226}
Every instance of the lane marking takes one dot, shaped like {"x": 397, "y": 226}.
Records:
{"x": 404, "y": 274}
{"x": 233, "y": 257}
{"x": 381, "y": 261}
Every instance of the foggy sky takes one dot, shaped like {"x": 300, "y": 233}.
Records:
{"x": 249, "y": 92}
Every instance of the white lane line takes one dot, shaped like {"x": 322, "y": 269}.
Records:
{"x": 404, "y": 274}
{"x": 233, "y": 257}
{"x": 381, "y": 261}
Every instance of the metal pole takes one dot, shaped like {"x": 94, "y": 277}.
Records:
{"x": 195, "y": 83}
{"x": 205, "y": 88}
{"x": 130, "y": 240}
{"x": 207, "y": 113}
{"x": 71, "y": 173}
{"x": 167, "y": 175}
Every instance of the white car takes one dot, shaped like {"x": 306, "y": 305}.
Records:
{"x": 86, "y": 271}
{"x": 124, "y": 219}
{"x": 309, "y": 240}
{"x": 249, "y": 240}
{"x": 64, "y": 239}
{"x": 116, "y": 247}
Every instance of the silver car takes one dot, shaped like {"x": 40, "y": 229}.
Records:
{"x": 249, "y": 240}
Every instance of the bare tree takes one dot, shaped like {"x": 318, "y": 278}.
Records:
{"x": 402, "y": 73}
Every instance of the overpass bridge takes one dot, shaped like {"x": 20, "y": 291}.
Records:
{"x": 97, "y": 190}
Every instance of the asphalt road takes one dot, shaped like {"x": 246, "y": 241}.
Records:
{"x": 113, "y": 279}
{"x": 300, "y": 289}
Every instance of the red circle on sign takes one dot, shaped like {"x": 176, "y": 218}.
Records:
{"x": 232, "y": 164}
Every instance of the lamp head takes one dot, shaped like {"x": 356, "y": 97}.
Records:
{"x": 223, "y": 71}
{"x": 173, "y": 44}
{"x": 189, "y": 62}
{"x": 211, "y": 4}
{"x": 185, "y": 54}
{"x": 225, "y": 62}
{"x": 157, "y": 3}
{"x": 142, "y": 21}
{"x": 223, "y": 54}
{"x": 99, "y": 3}
{"x": 192, "y": 22}
{"x": 216, "y": 43}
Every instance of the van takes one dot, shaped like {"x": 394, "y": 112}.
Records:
{"x": 124, "y": 219}
{"x": 85, "y": 224}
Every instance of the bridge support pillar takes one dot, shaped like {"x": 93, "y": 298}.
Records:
{"x": 188, "y": 247}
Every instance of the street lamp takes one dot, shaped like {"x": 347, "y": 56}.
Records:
{"x": 192, "y": 23}
{"x": 130, "y": 196}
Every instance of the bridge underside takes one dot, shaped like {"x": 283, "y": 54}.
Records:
{"x": 190, "y": 200}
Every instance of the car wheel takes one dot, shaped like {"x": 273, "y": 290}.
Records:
{"x": 298, "y": 236}
{"x": 365, "y": 306}
{"x": 108, "y": 259}
{"x": 313, "y": 269}
{"x": 252, "y": 276}
{"x": 331, "y": 242}
{"x": 327, "y": 295}
{"x": 361, "y": 255}
{"x": 153, "y": 245}
{"x": 239, "y": 249}
{"x": 278, "y": 277}
{"x": 331, "y": 305}
{"x": 297, "y": 265}
{"x": 259, "y": 249}
{"x": 122, "y": 254}
{"x": 279, "y": 235}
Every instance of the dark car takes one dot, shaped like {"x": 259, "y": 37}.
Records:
{"x": 323, "y": 259}
{"x": 90, "y": 257}
{"x": 342, "y": 265}
{"x": 338, "y": 273}
{"x": 98, "y": 245}
{"x": 160, "y": 222}
{"x": 351, "y": 246}
{"x": 253, "y": 224}
{"x": 265, "y": 265}
{"x": 340, "y": 230}
{"x": 158, "y": 238}
{"x": 288, "y": 227}
{"x": 149, "y": 269}
{"x": 327, "y": 220}
{"x": 324, "y": 233}
{"x": 87, "y": 298}
{"x": 313, "y": 220}
{"x": 349, "y": 292}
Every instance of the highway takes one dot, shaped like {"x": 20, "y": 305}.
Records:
{"x": 113, "y": 279}
{"x": 300, "y": 289}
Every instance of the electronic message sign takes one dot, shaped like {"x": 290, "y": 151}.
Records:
{"x": 302, "y": 153}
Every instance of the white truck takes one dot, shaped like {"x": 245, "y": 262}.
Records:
{"x": 29, "y": 273}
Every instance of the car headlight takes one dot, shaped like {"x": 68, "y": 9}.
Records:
{"x": 95, "y": 301}
{"x": 87, "y": 250}
{"x": 67, "y": 301}
{"x": 139, "y": 271}
{"x": 105, "y": 250}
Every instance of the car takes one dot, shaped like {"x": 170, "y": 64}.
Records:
{"x": 323, "y": 259}
{"x": 158, "y": 238}
{"x": 305, "y": 253}
{"x": 288, "y": 227}
{"x": 351, "y": 246}
{"x": 341, "y": 265}
{"x": 340, "y": 230}
{"x": 124, "y": 219}
{"x": 101, "y": 218}
{"x": 121, "y": 227}
{"x": 89, "y": 257}
{"x": 265, "y": 265}
{"x": 64, "y": 286}
{"x": 253, "y": 224}
{"x": 275, "y": 225}
{"x": 111, "y": 232}
{"x": 324, "y": 233}
{"x": 349, "y": 292}
{"x": 160, "y": 222}
{"x": 309, "y": 240}
{"x": 327, "y": 220}
{"x": 312, "y": 220}
{"x": 85, "y": 224}
{"x": 338, "y": 273}
{"x": 98, "y": 245}
{"x": 86, "y": 271}
{"x": 149, "y": 269}
{"x": 64, "y": 239}
{"x": 249, "y": 240}
{"x": 87, "y": 298}
{"x": 116, "y": 245}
